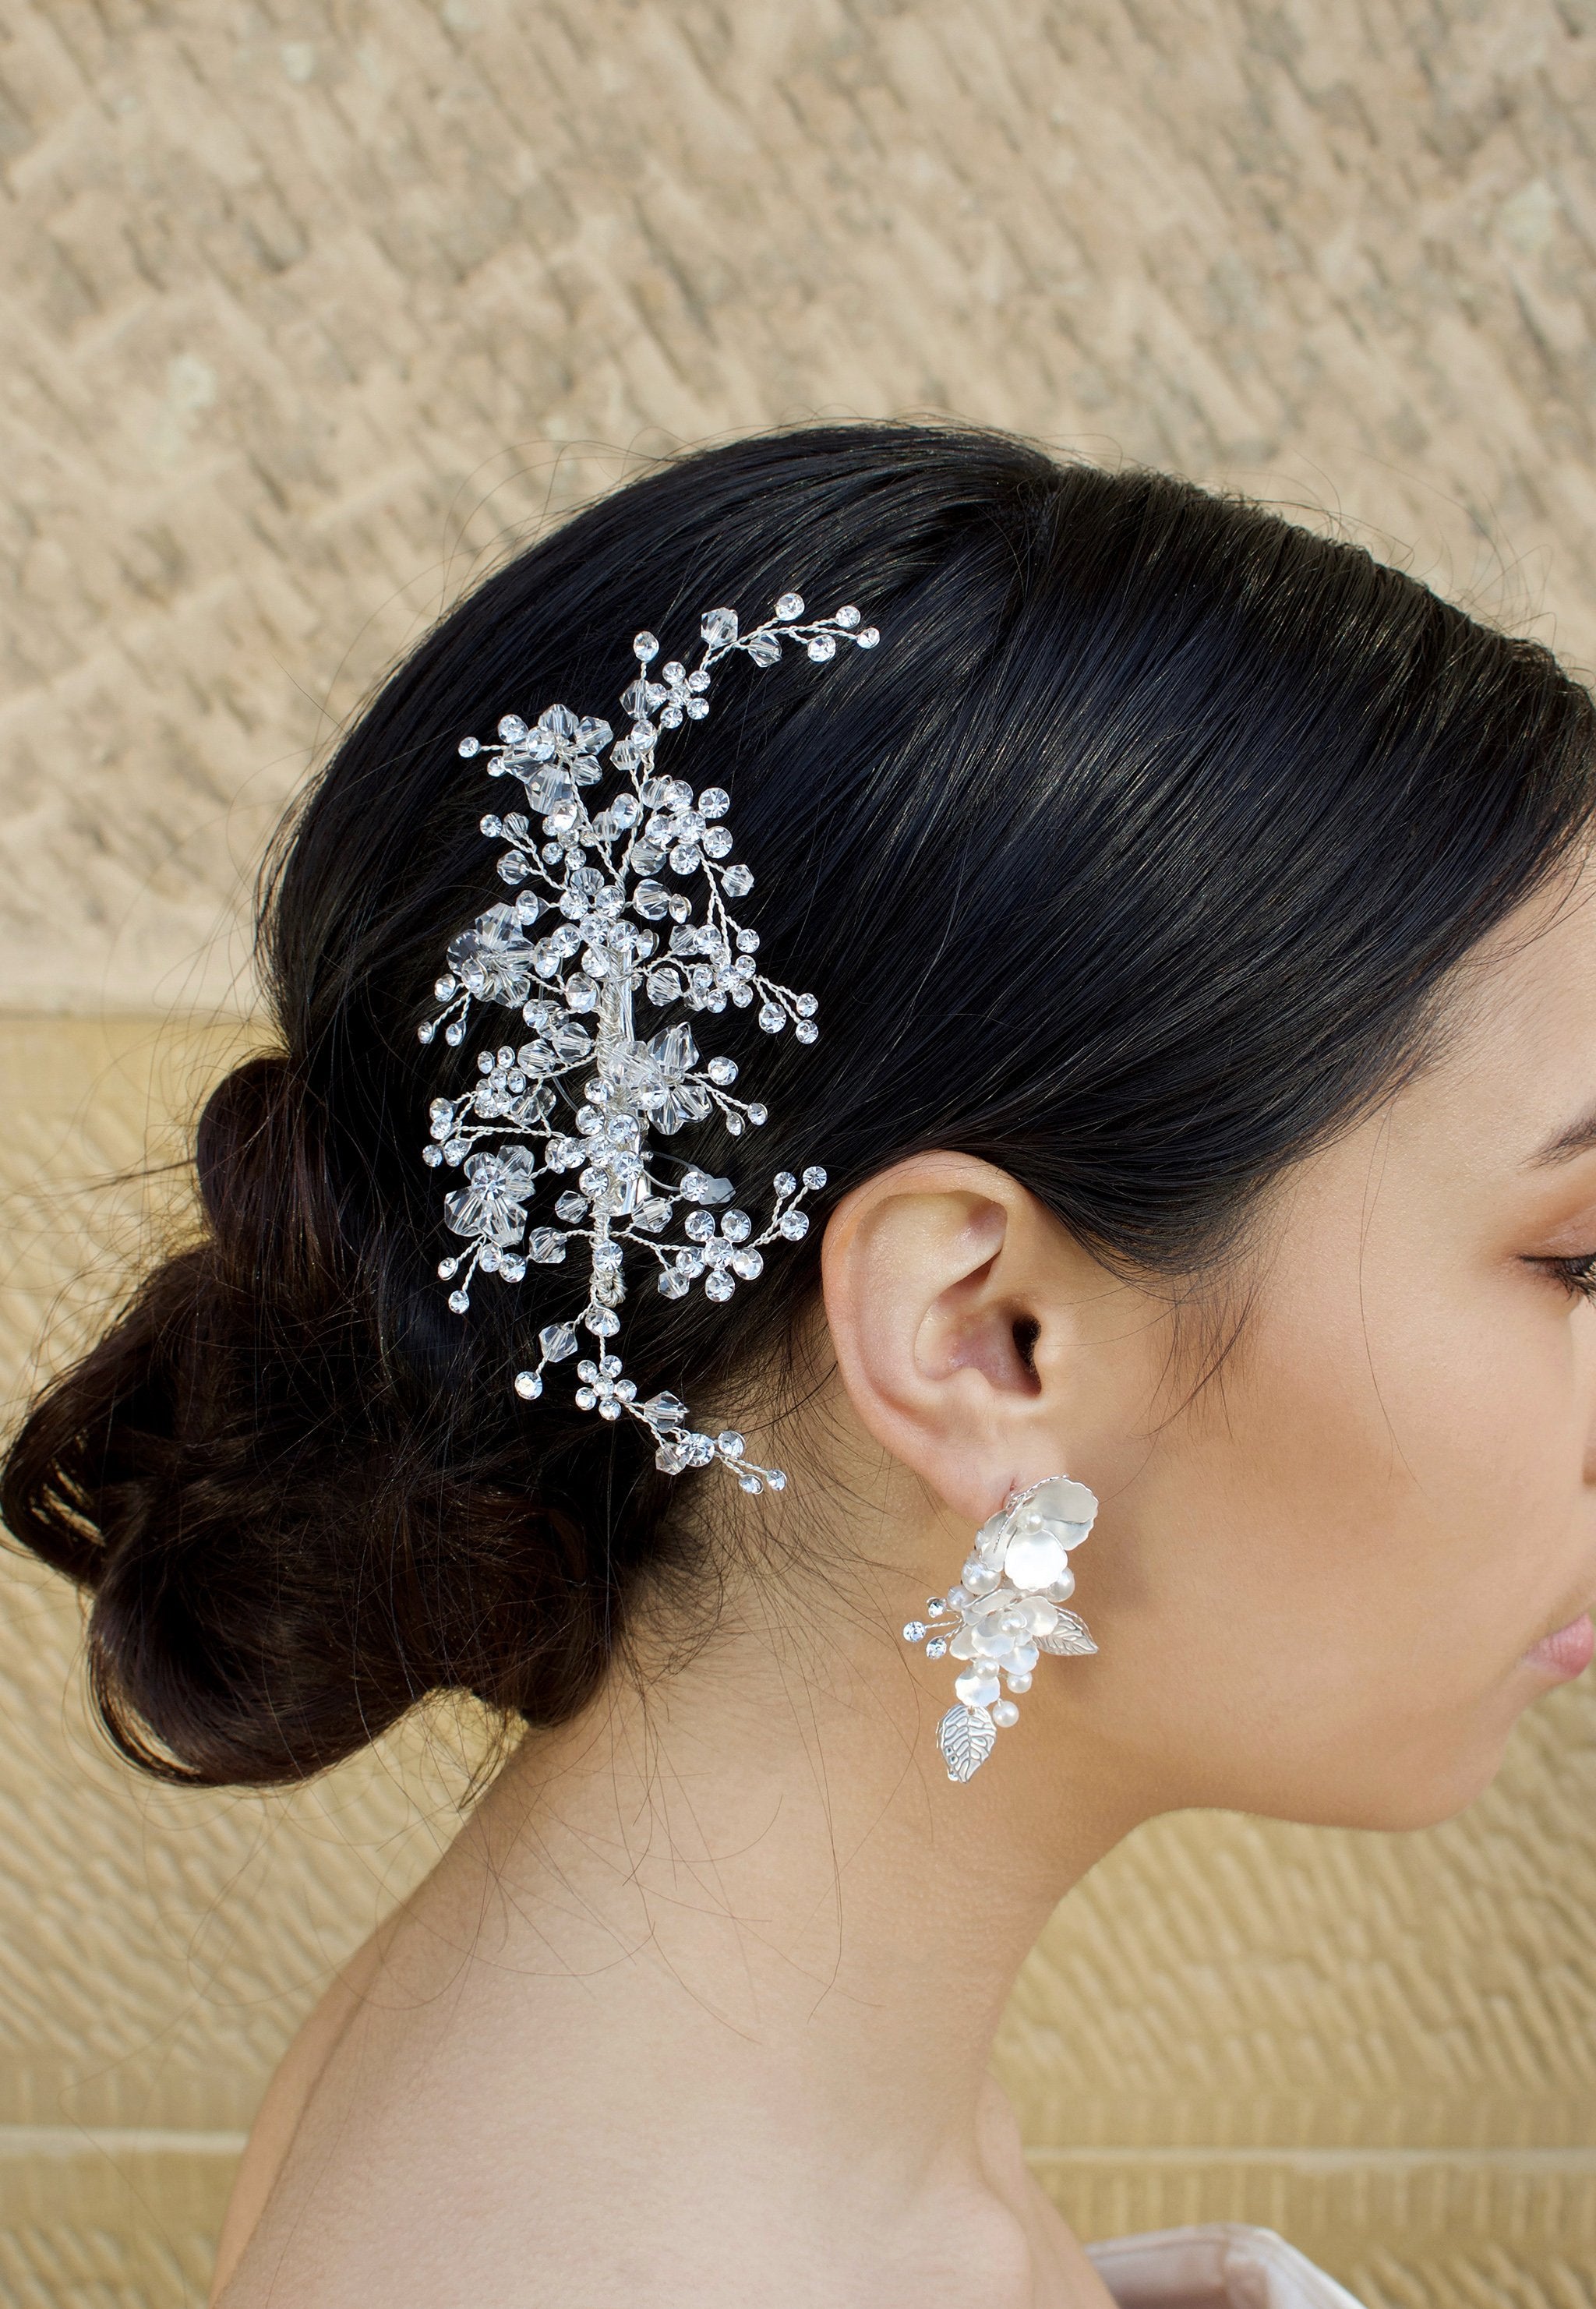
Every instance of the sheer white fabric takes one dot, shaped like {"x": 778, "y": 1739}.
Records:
{"x": 1221, "y": 2265}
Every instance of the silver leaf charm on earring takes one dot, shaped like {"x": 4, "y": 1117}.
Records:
{"x": 1008, "y": 1608}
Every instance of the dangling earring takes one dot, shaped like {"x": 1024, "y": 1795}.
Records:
{"x": 1008, "y": 1607}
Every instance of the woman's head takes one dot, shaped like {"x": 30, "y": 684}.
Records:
{"x": 1134, "y": 874}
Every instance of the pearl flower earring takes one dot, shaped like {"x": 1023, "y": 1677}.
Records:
{"x": 1008, "y": 1608}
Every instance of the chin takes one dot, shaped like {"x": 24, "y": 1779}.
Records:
{"x": 1384, "y": 1785}
{"x": 1398, "y": 1800}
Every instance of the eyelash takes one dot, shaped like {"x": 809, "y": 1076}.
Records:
{"x": 1577, "y": 1275}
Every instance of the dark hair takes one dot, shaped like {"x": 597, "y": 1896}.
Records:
{"x": 1131, "y": 861}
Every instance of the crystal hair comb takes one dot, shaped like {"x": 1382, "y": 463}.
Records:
{"x": 574, "y": 952}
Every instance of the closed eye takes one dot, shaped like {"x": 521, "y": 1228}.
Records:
{"x": 1576, "y": 1275}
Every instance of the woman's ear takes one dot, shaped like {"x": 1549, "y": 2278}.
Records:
{"x": 946, "y": 1297}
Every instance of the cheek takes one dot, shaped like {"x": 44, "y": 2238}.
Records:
{"x": 1340, "y": 1553}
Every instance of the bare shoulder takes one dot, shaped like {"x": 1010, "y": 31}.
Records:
{"x": 286, "y": 2098}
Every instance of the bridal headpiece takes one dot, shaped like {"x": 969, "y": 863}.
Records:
{"x": 604, "y": 916}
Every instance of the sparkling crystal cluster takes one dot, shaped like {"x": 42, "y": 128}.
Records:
{"x": 1006, "y": 1610}
{"x": 621, "y": 876}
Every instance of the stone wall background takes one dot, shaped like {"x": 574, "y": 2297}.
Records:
{"x": 311, "y": 309}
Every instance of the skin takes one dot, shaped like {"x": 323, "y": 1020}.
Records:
{"x": 699, "y": 2006}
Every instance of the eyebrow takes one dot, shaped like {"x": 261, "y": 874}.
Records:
{"x": 1578, "y": 1138}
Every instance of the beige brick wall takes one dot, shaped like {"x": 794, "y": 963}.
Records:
{"x": 312, "y": 308}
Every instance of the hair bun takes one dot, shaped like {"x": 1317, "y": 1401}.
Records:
{"x": 241, "y": 1132}
{"x": 289, "y": 1542}
{"x": 263, "y": 1178}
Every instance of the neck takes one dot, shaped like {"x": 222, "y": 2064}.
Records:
{"x": 747, "y": 1921}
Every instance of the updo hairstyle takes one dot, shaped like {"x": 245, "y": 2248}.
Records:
{"x": 1132, "y": 863}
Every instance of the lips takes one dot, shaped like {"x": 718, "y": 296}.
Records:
{"x": 1568, "y": 1652}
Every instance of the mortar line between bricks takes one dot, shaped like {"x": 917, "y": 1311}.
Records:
{"x": 61, "y": 2140}
{"x": 1530, "y": 2163}
{"x": 66, "y": 2140}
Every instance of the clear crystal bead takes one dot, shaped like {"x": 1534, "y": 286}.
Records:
{"x": 719, "y": 626}
{"x": 512, "y": 728}
{"x": 936, "y": 1648}
{"x": 718, "y": 1284}
{"x": 645, "y": 648}
{"x": 915, "y": 1632}
{"x": 459, "y": 1301}
{"x": 869, "y": 637}
{"x": 814, "y": 1178}
{"x": 794, "y": 1225}
{"x": 772, "y": 1017}
{"x": 823, "y": 646}
{"x": 559, "y": 1341}
{"x": 738, "y": 882}
{"x": 468, "y": 746}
